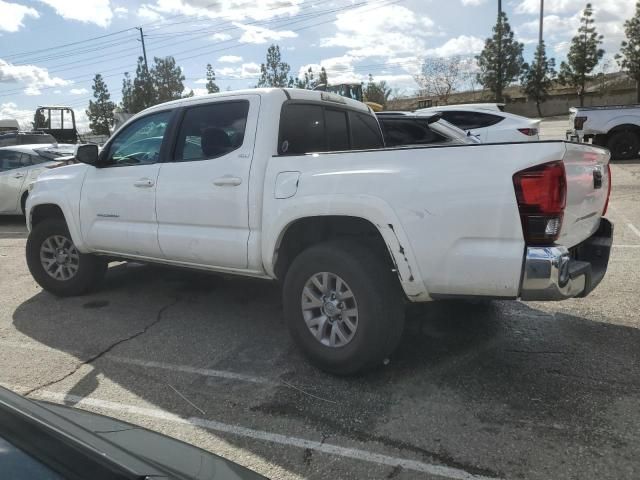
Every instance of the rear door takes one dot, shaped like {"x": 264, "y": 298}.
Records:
{"x": 587, "y": 191}
{"x": 203, "y": 190}
{"x": 14, "y": 168}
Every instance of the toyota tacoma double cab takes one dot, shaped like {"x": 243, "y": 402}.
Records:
{"x": 297, "y": 186}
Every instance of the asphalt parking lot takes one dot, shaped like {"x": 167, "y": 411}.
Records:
{"x": 504, "y": 390}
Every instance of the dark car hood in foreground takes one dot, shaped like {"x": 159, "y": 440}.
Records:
{"x": 134, "y": 448}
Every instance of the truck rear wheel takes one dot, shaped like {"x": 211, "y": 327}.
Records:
{"x": 624, "y": 145}
{"x": 57, "y": 265}
{"x": 343, "y": 307}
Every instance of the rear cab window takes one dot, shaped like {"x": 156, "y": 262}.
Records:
{"x": 316, "y": 128}
{"x": 409, "y": 131}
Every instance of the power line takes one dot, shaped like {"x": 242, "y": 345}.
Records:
{"x": 120, "y": 68}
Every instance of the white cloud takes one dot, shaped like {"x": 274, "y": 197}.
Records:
{"x": 34, "y": 77}
{"x": 146, "y": 12}
{"x": 78, "y": 91}
{"x": 12, "y": 16}
{"x": 381, "y": 32}
{"x": 255, "y": 34}
{"x": 11, "y": 110}
{"x": 246, "y": 70}
{"x": 85, "y": 11}
{"x": 220, "y": 36}
{"x": 560, "y": 28}
{"x": 462, "y": 45}
{"x": 198, "y": 92}
{"x": 473, "y": 3}
{"x": 234, "y": 10}
{"x": 121, "y": 12}
{"x": 230, "y": 59}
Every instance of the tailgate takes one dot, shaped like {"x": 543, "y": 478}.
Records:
{"x": 587, "y": 191}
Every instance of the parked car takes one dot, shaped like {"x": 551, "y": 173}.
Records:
{"x": 616, "y": 127}
{"x": 20, "y": 166}
{"x": 295, "y": 185}
{"x": 11, "y": 138}
{"x": 409, "y": 129}
{"x": 488, "y": 122}
{"x": 40, "y": 440}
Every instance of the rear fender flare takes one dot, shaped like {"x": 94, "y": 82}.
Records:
{"x": 369, "y": 208}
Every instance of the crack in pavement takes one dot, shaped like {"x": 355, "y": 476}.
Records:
{"x": 106, "y": 350}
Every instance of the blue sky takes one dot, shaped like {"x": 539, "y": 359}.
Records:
{"x": 351, "y": 38}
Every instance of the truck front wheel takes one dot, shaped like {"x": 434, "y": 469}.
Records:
{"x": 343, "y": 307}
{"x": 57, "y": 265}
{"x": 624, "y": 145}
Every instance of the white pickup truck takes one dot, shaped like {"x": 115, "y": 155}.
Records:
{"x": 297, "y": 186}
{"x": 616, "y": 127}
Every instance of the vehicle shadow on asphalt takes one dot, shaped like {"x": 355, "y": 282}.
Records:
{"x": 507, "y": 365}
{"x": 12, "y": 226}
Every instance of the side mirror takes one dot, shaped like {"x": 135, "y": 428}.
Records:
{"x": 87, "y": 154}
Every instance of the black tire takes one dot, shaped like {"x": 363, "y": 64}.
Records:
{"x": 90, "y": 270}
{"x": 379, "y": 301}
{"x": 624, "y": 145}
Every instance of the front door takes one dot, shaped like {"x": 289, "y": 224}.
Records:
{"x": 13, "y": 171}
{"x": 118, "y": 206}
{"x": 202, "y": 199}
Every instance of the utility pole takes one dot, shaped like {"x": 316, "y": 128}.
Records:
{"x": 144, "y": 50}
{"x": 540, "y": 38}
{"x": 499, "y": 72}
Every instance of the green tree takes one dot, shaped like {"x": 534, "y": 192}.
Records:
{"x": 310, "y": 81}
{"x": 211, "y": 85}
{"x": 274, "y": 72}
{"x": 629, "y": 56}
{"x": 537, "y": 78}
{"x": 142, "y": 94}
{"x": 377, "y": 92}
{"x": 168, "y": 80}
{"x": 127, "y": 93}
{"x": 307, "y": 82}
{"x": 39, "y": 120}
{"x": 584, "y": 55}
{"x": 100, "y": 111}
{"x": 323, "y": 78}
{"x": 501, "y": 61}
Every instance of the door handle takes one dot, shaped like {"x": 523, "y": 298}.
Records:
{"x": 227, "y": 181}
{"x": 18, "y": 175}
{"x": 144, "y": 183}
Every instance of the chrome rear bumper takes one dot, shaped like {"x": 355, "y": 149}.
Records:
{"x": 557, "y": 273}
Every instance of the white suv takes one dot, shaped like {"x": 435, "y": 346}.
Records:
{"x": 488, "y": 122}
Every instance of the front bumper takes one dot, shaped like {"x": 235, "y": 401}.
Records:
{"x": 558, "y": 273}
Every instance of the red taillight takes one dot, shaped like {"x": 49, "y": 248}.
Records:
{"x": 541, "y": 192}
{"x": 529, "y": 132}
{"x": 606, "y": 205}
{"x": 578, "y": 122}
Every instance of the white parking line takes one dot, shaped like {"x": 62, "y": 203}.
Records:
{"x": 206, "y": 372}
{"x": 327, "y": 448}
{"x": 634, "y": 229}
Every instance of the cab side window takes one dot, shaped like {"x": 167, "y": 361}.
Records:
{"x": 140, "y": 142}
{"x": 302, "y": 129}
{"x": 365, "y": 132}
{"x": 211, "y": 131}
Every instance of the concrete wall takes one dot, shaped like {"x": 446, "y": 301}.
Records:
{"x": 560, "y": 104}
